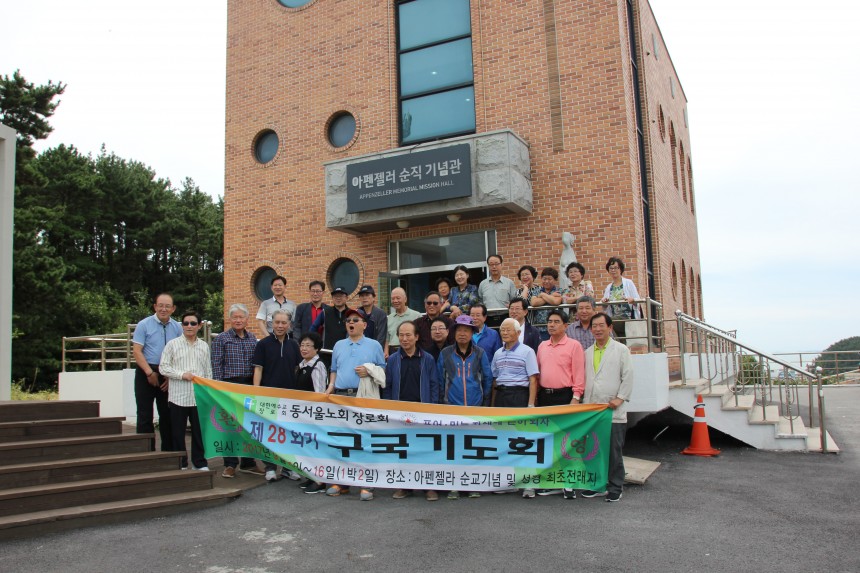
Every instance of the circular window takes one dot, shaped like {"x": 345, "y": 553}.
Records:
{"x": 341, "y": 129}
{"x": 266, "y": 146}
{"x": 344, "y": 273}
{"x": 262, "y": 282}
{"x": 293, "y": 3}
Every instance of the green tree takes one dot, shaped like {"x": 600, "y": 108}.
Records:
{"x": 96, "y": 238}
{"x": 847, "y": 359}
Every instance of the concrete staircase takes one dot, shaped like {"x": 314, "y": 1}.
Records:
{"x": 64, "y": 467}
{"x": 740, "y": 417}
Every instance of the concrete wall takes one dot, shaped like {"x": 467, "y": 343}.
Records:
{"x": 113, "y": 388}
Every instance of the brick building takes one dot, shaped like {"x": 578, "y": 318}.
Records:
{"x": 523, "y": 119}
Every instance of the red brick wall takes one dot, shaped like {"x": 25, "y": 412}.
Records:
{"x": 290, "y": 70}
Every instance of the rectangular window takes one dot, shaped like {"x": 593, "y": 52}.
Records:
{"x": 436, "y": 79}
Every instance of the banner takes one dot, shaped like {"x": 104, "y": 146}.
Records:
{"x": 383, "y": 443}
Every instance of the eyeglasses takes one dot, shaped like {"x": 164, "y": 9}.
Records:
{"x": 431, "y": 303}
{"x": 438, "y": 329}
{"x": 316, "y": 292}
{"x": 164, "y": 306}
{"x": 353, "y": 320}
{"x": 189, "y": 323}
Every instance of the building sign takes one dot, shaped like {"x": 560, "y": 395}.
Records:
{"x": 409, "y": 178}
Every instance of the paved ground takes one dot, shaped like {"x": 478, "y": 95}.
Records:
{"x": 745, "y": 510}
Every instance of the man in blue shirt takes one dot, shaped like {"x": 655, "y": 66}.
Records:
{"x": 150, "y": 337}
{"x": 347, "y": 368}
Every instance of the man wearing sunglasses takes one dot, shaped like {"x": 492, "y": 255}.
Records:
{"x": 183, "y": 359}
{"x": 347, "y": 368}
{"x": 433, "y": 311}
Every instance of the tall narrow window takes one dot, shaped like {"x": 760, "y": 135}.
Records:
{"x": 436, "y": 79}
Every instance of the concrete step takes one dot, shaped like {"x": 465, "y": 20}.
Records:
{"x": 61, "y": 428}
{"x": 770, "y": 415}
{"x": 53, "y": 520}
{"x": 791, "y": 428}
{"x": 79, "y": 469}
{"x": 55, "y": 496}
{"x": 69, "y": 448}
{"x": 732, "y": 401}
{"x": 22, "y": 410}
{"x": 813, "y": 441}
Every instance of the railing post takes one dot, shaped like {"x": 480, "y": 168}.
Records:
{"x": 102, "y": 345}
{"x": 682, "y": 346}
{"x": 128, "y": 352}
{"x": 64, "y": 354}
{"x": 822, "y": 426}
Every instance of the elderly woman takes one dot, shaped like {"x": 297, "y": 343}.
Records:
{"x": 527, "y": 275}
{"x": 578, "y": 285}
{"x": 620, "y": 289}
{"x": 464, "y": 295}
{"x": 443, "y": 287}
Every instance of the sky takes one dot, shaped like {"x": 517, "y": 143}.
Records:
{"x": 773, "y": 112}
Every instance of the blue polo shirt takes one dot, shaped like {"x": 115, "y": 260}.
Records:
{"x": 154, "y": 335}
{"x": 489, "y": 340}
{"x": 348, "y": 354}
{"x": 513, "y": 367}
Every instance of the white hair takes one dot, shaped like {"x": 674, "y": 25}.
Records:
{"x": 514, "y": 323}
{"x": 238, "y": 307}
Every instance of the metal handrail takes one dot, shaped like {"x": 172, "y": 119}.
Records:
{"x": 728, "y": 354}
{"x": 109, "y": 344}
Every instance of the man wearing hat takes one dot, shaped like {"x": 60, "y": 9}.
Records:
{"x": 464, "y": 368}
{"x": 332, "y": 320}
{"x": 465, "y": 376}
{"x": 347, "y": 368}
{"x": 377, "y": 320}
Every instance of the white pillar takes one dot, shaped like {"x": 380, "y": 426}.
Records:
{"x": 7, "y": 210}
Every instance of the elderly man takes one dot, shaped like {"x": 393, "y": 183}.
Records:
{"x": 150, "y": 336}
{"x": 562, "y": 365}
{"x": 484, "y": 336}
{"x": 275, "y": 360}
{"x": 277, "y": 302}
{"x": 307, "y": 312}
{"x": 515, "y": 370}
{"x": 410, "y": 376}
{"x": 400, "y": 314}
{"x": 528, "y": 334}
{"x": 496, "y": 291}
{"x": 377, "y": 320}
{"x": 348, "y": 367}
{"x": 232, "y": 351}
{"x": 184, "y": 358}
{"x": 580, "y": 329}
{"x": 609, "y": 380}
{"x": 433, "y": 310}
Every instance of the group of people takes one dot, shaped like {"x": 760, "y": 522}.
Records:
{"x": 447, "y": 355}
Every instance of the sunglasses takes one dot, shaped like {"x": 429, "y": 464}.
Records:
{"x": 189, "y": 323}
{"x": 353, "y": 320}
{"x": 431, "y": 302}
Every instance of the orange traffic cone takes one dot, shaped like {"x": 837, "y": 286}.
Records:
{"x": 700, "y": 442}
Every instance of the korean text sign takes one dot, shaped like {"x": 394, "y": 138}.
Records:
{"x": 382, "y": 443}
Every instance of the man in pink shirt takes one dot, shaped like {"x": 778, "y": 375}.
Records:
{"x": 561, "y": 361}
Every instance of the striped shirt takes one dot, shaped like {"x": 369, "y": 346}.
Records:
{"x": 231, "y": 355}
{"x": 513, "y": 367}
{"x": 180, "y": 356}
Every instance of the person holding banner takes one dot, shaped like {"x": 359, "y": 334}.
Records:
{"x": 515, "y": 369}
{"x": 410, "y": 376}
{"x": 231, "y": 362}
{"x": 311, "y": 376}
{"x": 609, "y": 380}
{"x": 275, "y": 360}
{"x": 348, "y": 367}
{"x": 183, "y": 359}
